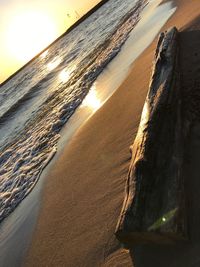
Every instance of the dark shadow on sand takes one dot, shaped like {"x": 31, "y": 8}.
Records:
{"x": 187, "y": 254}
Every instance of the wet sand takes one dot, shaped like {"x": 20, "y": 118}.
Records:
{"x": 84, "y": 187}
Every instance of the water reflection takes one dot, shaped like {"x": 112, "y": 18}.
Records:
{"x": 44, "y": 54}
{"x": 92, "y": 100}
{"x": 53, "y": 64}
{"x": 64, "y": 75}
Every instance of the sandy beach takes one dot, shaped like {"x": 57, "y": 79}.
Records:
{"x": 84, "y": 188}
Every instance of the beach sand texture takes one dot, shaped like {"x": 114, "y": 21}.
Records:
{"x": 84, "y": 188}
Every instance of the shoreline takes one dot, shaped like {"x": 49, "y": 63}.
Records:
{"x": 101, "y": 152}
{"x": 26, "y": 213}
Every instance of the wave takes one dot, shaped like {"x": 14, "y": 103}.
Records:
{"x": 23, "y": 159}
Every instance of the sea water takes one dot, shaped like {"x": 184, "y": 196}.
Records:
{"x": 40, "y": 99}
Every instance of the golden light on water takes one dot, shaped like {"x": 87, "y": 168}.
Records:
{"x": 53, "y": 64}
{"x": 92, "y": 101}
{"x": 44, "y": 54}
{"x": 28, "y": 33}
{"x": 64, "y": 75}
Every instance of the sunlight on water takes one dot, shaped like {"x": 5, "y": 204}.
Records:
{"x": 43, "y": 55}
{"x": 92, "y": 101}
{"x": 64, "y": 75}
{"x": 53, "y": 64}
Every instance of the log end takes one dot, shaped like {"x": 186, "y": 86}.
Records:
{"x": 128, "y": 239}
{"x": 170, "y": 228}
{"x": 154, "y": 208}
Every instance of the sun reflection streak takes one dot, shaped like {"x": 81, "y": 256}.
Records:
{"x": 92, "y": 101}
{"x": 44, "y": 54}
{"x": 64, "y": 75}
{"x": 53, "y": 64}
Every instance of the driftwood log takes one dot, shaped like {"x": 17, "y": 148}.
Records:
{"x": 154, "y": 206}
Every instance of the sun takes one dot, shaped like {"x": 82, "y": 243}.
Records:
{"x": 28, "y": 33}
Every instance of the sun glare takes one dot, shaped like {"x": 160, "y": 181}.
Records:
{"x": 53, "y": 64}
{"x": 91, "y": 100}
{"x": 28, "y": 33}
{"x": 64, "y": 75}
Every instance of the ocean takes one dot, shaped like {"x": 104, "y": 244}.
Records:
{"x": 39, "y": 100}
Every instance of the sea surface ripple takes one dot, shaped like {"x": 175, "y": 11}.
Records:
{"x": 40, "y": 99}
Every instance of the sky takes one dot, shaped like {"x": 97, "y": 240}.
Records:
{"x": 28, "y": 26}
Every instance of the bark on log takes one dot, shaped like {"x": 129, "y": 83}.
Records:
{"x": 154, "y": 205}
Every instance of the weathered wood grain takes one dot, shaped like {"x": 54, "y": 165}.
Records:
{"x": 154, "y": 205}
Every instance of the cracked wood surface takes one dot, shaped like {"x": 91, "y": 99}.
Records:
{"x": 154, "y": 205}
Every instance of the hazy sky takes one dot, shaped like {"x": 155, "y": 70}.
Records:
{"x": 27, "y": 26}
